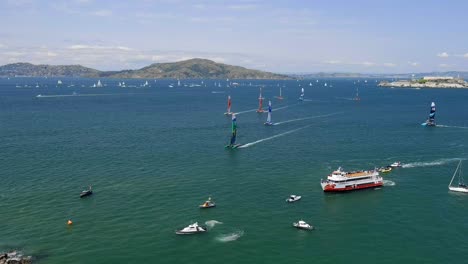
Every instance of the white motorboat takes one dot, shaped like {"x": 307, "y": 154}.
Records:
{"x": 293, "y": 198}
{"x": 303, "y": 225}
{"x": 395, "y": 164}
{"x": 191, "y": 229}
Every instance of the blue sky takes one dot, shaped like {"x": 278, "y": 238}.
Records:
{"x": 279, "y": 36}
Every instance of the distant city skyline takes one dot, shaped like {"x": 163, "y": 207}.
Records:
{"x": 279, "y": 36}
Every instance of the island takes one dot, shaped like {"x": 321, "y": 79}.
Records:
{"x": 428, "y": 82}
{"x": 187, "y": 69}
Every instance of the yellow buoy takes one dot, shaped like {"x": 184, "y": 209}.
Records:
{"x": 69, "y": 222}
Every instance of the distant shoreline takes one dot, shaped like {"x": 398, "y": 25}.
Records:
{"x": 428, "y": 82}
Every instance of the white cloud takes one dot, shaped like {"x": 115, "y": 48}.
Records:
{"x": 333, "y": 62}
{"x": 465, "y": 55}
{"x": 2, "y": 46}
{"x": 389, "y": 64}
{"x": 242, "y": 7}
{"x": 413, "y": 63}
{"x": 102, "y": 13}
{"x": 443, "y": 55}
{"x": 368, "y": 64}
{"x": 443, "y": 65}
{"x": 95, "y": 47}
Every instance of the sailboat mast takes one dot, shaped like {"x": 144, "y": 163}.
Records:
{"x": 455, "y": 173}
{"x": 229, "y": 104}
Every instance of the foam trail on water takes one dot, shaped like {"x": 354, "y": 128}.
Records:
{"x": 212, "y": 223}
{"x": 305, "y": 118}
{"x": 272, "y": 137}
{"x": 218, "y": 92}
{"x": 230, "y": 237}
{"x": 451, "y": 126}
{"x": 246, "y": 111}
{"x": 430, "y": 163}
{"x": 388, "y": 183}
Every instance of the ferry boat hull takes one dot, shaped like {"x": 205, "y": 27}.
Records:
{"x": 332, "y": 187}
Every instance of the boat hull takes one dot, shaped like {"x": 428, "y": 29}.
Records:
{"x": 329, "y": 187}
{"x": 458, "y": 189}
{"x": 235, "y": 146}
{"x": 207, "y": 206}
{"x": 85, "y": 194}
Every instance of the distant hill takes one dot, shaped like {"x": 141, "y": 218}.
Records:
{"x": 31, "y": 70}
{"x": 193, "y": 68}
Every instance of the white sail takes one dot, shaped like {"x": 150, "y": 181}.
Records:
{"x": 461, "y": 187}
{"x": 99, "y": 84}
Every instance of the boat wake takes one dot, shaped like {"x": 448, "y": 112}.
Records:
{"x": 451, "y": 126}
{"x": 388, "y": 183}
{"x": 212, "y": 223}
{"x": 77, "y": 95}
{"x": 246, "y": 111}
{"x": 218, "y": 92}
{"x": 430, "y": 163}
{"x": 305, "y": 118}
{"x": 272, "y": 137}
{"x": 345, "y": 98}
{"x": 230, "y": 237}
{"x": 287, "y": 106}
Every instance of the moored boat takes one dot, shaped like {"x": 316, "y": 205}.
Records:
{"x": 86, "y": 192}
{"x": 340, "y": 180}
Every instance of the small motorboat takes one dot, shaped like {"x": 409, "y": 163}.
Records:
{"x": 86, "y": 192}
{"x": 395, "y": 164}
{"x": 303, "y": 225}
{"x": 293, "y": 198}
{"x": 191, "y": 229}
{"x": 208, "y": 204}
{"x": 385, "y": 169}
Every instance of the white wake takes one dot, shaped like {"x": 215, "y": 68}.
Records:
{"x": 212, "y": 223}
{"x": 429, "y": 163}
{"x": 305, "y": 118}
{"x": 272, "y": 137}
{"x": 230, "y": 237}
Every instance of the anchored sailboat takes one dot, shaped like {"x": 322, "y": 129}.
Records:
{"x": 260, "y": 102}
{"x": 232, "y": 143}
{"x": 229, "y": 107}
{"x": 301, "y": 97}
{"x": 268, "y": 121}
{"x": 431, "y": 120}
{"x": 280, "y": 97}
{"x": 462, "y": 187}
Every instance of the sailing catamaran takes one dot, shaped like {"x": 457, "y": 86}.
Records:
{"x": 260, "y": 102}
{"x": 232, "y": 143}
{"x": 280, "y": 97}
{"x": 268, "y": 121}
{"x": 229, "y": 107}
{"x": 301, "y": 97}
{"x": 357, "y": 98}
{"x": 462, "y": 187}
{"x": 431, "y": 120}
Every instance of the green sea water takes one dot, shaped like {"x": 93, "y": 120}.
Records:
{"x": 154, "y": 154}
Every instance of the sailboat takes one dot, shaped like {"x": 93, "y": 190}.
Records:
{"x": 310, "y": 84}
{"x": 301, "y": 97}
{"x": 229, "y": 107}
{"x": 357, "y": 95}
{"x": 462, "y": 187}
{"x": 232, "y": 143}
{"x": 59, "y": 82}
{"x": 260, "y": 102}
{"x": 280, "y": 97}
{"x": 268, "y": 121}
{"x": 99, "y": 84}
{"x": 146, "y": 83}
{"x": 178, "y": 82}
{"x": 431, "y": 120}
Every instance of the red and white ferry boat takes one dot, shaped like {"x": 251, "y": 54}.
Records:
{"x": 339, "y": 180}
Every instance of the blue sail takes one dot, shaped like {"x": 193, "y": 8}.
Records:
{"x": 431, "y": 120}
